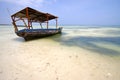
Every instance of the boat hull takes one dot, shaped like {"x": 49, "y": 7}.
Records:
{"x": 29, "y": 34}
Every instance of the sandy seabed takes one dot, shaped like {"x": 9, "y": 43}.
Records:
{"x": 48, "y": 59}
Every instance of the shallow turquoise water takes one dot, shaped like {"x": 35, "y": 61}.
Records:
{"x": 104, "y": 40}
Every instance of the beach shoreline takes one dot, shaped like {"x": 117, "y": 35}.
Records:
{"x": 76, "y": 54}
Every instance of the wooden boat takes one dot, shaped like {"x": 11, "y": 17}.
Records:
{"x": 29, "y": 34}
{"x": 30, "y": 16}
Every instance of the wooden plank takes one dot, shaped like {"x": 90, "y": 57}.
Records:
{"x": 27, "y": 15}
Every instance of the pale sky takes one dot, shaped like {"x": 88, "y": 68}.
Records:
{"x": 78, "y": 12}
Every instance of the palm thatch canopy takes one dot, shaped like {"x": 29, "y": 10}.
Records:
{"x": 34, "y": 15}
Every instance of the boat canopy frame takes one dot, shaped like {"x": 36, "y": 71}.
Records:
{"x": 32, "y": 15}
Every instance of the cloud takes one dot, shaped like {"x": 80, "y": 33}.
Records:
{"x": 34, "y": 3}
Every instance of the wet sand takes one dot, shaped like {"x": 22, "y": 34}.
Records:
{"x": 58, "y": 57}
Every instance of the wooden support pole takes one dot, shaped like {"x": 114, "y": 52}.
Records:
{"x": 56, "y": 23}
{"x": 15, "y": 26}
{"x": 47, "y": 24}
{"x": 41, "y": 25}
{"x": 27, "y": 15}
{"x": 24, "y": 22}
{"x": 31, "y": 24}
{"x": 47, "y": 21}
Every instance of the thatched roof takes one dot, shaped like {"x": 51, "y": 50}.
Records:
{"x": 34, "y": 15}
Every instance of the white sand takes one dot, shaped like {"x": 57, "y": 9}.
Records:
{"x": 46, "y": 59}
